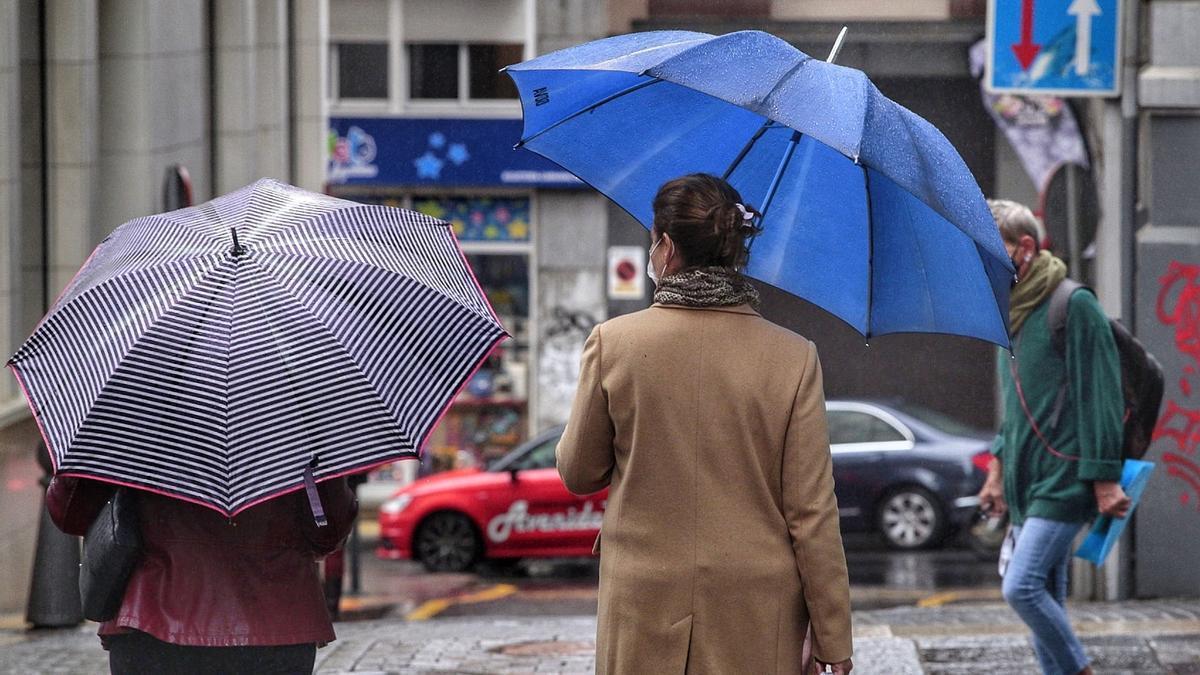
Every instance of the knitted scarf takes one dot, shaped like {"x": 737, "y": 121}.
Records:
{"x": 706, "y": 287}
{"x": 1040, "y": 280}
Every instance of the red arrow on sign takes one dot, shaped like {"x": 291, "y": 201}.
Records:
{"x": 1027, "y": 50}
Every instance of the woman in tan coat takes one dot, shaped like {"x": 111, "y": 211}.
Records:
{"x": 720, "y": 541}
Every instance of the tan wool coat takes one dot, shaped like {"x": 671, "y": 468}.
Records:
{"x": 720, "y": 536}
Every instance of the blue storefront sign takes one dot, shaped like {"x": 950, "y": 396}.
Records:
{"x": 1059, "y": 47}
{"x": 417, "y": 152}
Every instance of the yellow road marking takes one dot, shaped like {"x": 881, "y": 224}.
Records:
{"x": 432, "y": 608}
{"x": 428, "y": 610}
{"x": 939, "y": 599}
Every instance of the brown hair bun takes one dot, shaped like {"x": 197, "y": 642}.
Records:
{"x": 701, "y": 213}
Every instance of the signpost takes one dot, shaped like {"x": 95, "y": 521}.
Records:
{"x": 1059, "y": 47}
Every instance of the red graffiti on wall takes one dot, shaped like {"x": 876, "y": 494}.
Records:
{"x": 1179, "y": 307}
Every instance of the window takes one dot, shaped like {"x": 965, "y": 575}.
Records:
{"x": 433, "y": 71}
{"x": 852, "y": 426}
{"x": 436, "y": 70}
{"x": 361, "y": 70}
{"x": 484, "y": 64}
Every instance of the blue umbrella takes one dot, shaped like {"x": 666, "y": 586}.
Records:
{"x": 868, "y": 211}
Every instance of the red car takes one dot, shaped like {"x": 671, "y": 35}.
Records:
{"x": 900, "y": 470}
{"x": 516, "y": 508}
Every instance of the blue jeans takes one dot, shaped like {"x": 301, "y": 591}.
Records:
{"x": 1035, "y": 586}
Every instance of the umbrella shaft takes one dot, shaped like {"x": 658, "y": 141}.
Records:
{"x": 783, "y": 164}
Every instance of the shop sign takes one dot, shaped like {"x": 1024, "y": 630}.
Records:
{"x": 406, "y": 151}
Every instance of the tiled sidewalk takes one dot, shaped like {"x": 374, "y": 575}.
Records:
{"x": 1141, "y": 638}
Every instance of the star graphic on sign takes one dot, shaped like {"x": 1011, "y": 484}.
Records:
{"x": 458, "y": 153}
{"x": 437, "y": 139}
{"x": 428, "y": 166}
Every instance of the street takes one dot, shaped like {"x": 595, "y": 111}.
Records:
{"x": 880, "y": 579}
{"x": 936, "y": 612}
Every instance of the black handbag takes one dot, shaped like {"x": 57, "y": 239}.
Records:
{"x": 111, "y": 549}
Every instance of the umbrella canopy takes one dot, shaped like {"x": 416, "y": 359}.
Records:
{"x": 211, "y": 353}
{"x": 869, "y": 212}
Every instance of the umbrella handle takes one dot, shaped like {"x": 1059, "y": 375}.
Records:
{"x": 314, "y": 498}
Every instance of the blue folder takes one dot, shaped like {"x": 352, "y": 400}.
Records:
{"x": 1107, "y": 530}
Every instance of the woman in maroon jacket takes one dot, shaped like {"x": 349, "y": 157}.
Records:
{"x": 217, "y": 594}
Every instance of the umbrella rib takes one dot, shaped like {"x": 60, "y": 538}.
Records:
{"x": 590, "y": 107}
{"x": 149, "y": 327}
{"x": 282, "y": 253}
{"x": 870, "y": 253}
{"x": 747, "y": 147}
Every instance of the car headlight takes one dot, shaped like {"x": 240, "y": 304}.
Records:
{"x": 396, "y": 504}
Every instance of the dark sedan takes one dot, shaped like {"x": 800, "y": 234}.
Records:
{"x": 907, "y": 472}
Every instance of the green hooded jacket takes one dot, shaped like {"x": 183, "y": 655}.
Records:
{"x": 1089, "y": 426}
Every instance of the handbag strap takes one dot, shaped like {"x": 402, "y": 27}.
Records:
{"x": 1012, "y": 366}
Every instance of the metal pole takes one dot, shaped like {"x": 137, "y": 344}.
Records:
{"x": 355, "y": 561}
{"x": 1073, "y": 245}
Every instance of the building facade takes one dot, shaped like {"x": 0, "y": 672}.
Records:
{"x": 114, "y": 109}
{"x": 421, "y": 117}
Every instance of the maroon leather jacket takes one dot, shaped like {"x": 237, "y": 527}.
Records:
{"x": 208, "y": 580}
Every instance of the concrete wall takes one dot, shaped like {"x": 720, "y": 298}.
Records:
{"x": 570, "y": 286}
{"x": 860, "y": 9}
{"x": 10, "y": 184}
{"x": 572, "y": 232}
{"x": 1167, "y": 297}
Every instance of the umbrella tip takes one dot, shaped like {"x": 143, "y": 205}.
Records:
{"x": 238, "y": 249}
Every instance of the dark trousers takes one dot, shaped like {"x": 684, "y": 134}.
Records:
{"x": 138, "y": 653}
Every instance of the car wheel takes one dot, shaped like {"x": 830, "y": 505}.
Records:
{"x": 911, "y": 518}
{"x": 447, "y": 542}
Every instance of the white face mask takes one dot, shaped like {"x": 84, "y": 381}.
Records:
{"x": 650, "y": 271}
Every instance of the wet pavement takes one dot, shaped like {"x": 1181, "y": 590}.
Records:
{"x": 934, "y": 612}
{"x": 1131, "y": 638}
{"x": 880, "y": 578}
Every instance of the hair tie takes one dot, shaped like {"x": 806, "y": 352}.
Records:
{"x": 746, "y": 215}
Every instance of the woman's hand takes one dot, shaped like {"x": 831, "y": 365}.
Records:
{"x": 1111, "y": 500}
{"x": 840, "y": 668}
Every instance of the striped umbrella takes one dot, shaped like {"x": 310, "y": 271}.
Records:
{"x": 212, "y": 353}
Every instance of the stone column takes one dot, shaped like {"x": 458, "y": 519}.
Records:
{"x": 72, "y": 111}
{"x": 234, "y": 44}
{"x": 154, "y": 104}
{"x": 309, "y": 107}
{"x": 271, "y": 89}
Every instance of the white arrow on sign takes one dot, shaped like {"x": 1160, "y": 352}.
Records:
{"x": 1083, "y": 11}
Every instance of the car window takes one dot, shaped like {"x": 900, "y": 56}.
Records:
{"x": 854, "y": 426}
{"x": 541, "y": 457}
{"x": 938, "y": 421}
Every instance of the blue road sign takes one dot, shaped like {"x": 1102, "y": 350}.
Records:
{"x": 1060, "y": 47}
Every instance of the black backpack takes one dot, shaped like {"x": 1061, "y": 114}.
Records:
{"x": 1141, "y": 375}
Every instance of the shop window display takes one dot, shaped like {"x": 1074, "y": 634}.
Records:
{"x": 491, "y": 415}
